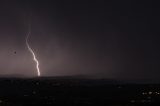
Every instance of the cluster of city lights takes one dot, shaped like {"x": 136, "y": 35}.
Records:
{"x": 151, "y": 93}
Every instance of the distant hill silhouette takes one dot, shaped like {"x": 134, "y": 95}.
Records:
{"x": 12, "y": 76}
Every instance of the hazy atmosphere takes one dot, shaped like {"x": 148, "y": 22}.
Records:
{"x": 97, "y": 38}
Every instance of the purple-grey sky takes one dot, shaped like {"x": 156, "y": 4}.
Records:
{"x": 111, "y": 39}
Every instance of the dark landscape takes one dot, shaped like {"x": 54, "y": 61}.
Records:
{"x": 72, "y": 91}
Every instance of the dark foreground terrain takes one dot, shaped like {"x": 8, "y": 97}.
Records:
{"x": 75, "y": 92}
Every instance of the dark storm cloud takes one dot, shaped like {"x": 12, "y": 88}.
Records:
{"x": 108, "y": 39}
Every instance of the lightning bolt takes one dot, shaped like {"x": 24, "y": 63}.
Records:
{"x": 32, "y": 52}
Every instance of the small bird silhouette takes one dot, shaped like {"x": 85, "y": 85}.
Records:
{"x": 15, "y": 52}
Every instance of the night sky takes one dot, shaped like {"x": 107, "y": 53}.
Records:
{"x": 107, "y": 39}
